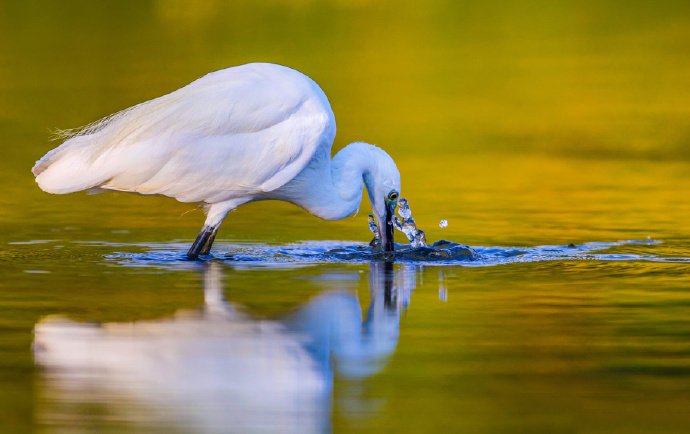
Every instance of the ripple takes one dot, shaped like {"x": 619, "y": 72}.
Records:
{"x": 443, "y": 252}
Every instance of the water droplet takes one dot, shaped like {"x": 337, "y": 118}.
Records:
{"x": 409, "y": 228}
{"x": 404, "y": 209}
{"x": 419, "y": 238}
{"x": 372, "y": 225}
{"x": 397, "y": 223}
{"x": 376, "y": 241}
{"x": 443, "y": 224}
{"x": 406, "y": 224}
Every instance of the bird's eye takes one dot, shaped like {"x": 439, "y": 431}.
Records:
{"x": 393, "y": 195}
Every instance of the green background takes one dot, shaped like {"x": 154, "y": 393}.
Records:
{"x": 522, "y": 123}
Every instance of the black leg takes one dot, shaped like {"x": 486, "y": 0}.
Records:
{"x": 206, "y": 249}
{"x": 203, "y": 242}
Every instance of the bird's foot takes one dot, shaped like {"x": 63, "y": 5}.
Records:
{"x": 204, "y": 241}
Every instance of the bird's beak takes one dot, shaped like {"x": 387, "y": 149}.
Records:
{"x": 387, "y": 235}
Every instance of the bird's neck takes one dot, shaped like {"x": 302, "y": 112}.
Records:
{"x": 332, "y": 189}
{"x": 350, "y": 172}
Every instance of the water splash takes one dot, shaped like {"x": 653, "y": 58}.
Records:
{"x": 376, "y": 242}
{"x": 407, "y": 225}
{"x": 404, "y": 208}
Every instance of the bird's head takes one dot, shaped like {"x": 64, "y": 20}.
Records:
{"x": 382, "y": 182}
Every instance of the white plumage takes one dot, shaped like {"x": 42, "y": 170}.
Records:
{"x": 252, "y": 132}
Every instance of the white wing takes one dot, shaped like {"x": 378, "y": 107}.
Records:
{"x": 232, "y": 133}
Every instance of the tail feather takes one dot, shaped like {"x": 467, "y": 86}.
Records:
{"x": 67, "y": 168}
{"x": 45, "y": 162}
{"x": 71, "y": 166}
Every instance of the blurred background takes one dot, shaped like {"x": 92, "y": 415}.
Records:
{"x": 497, "y": 112}
{"x": 521, "y": 123}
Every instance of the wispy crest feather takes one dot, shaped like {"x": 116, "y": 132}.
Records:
{"x": 119, "y": 126}
{"x": 91, "y": 128}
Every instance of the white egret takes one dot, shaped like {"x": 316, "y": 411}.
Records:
{"x": 252, "y": 132}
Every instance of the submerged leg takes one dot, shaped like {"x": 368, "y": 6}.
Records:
{"x": 209, "y": 242}
{"x": 204, "y": 241}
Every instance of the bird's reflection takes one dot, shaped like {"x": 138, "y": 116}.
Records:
{"x": 219, "y": 369}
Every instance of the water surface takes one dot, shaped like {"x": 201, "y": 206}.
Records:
{"x": 553, "y": 138}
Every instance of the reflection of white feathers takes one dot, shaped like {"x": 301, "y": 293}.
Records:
{"x": 220, "y": 370}
{"x": 193, "y": 370}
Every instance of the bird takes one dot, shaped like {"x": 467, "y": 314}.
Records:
{"x": 258, "y": 131}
